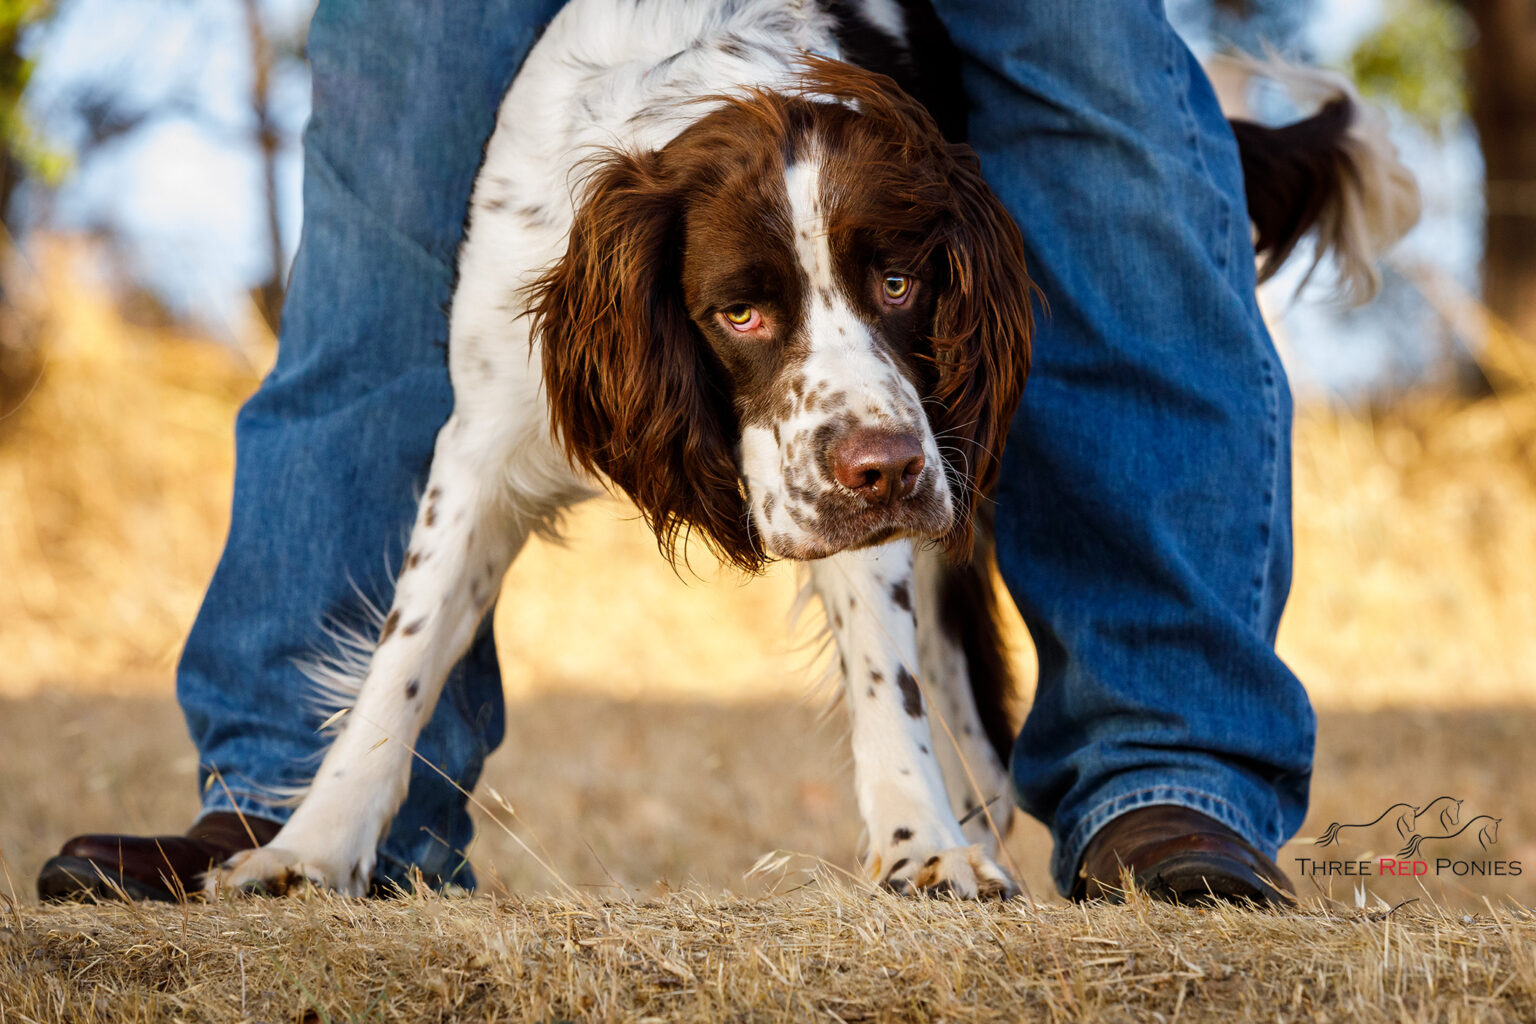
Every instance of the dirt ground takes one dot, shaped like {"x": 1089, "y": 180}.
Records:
{"x": 652, "y": 813}
{"x": 659, "y": 796}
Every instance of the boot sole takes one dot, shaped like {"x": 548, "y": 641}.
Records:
{"x": 75, "y": 878}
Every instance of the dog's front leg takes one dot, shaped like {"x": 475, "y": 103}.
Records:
{"x": 914, "y": 841}
{"x": 464, "y": 538}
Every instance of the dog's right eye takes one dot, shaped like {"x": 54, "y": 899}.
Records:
{"x": 742, "y": 318}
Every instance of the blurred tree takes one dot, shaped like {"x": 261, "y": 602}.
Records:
{"x": 1501, "y": 70}
{"x": 1417, "y": 59}
{"x": 24, "y": 155}
{"x": 269, "y": 294}
{"x": 1439, "y": 61}
{"x": 97, "y": 109}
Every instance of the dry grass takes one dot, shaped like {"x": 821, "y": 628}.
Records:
{"x": 115, "y": 475}
{"x": 825, "y": 952}
{"x": 1416, "y": 559}
{"x": 1415, "y": 590}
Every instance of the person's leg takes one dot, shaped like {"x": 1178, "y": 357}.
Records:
{"x": 1143, "y": 517}
{"x": 333, "y": 447}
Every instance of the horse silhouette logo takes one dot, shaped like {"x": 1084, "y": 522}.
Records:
{"x": 1486, "y": 836}
{"x": 1406, "y": 819}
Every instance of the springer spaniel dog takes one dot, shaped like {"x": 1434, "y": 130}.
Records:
{"x": 716, "y": 260}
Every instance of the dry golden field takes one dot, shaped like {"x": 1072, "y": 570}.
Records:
{"x": 651, "y": 764}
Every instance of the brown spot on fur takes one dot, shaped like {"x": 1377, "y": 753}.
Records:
{"x": 389, "y": 625}
{"x": 901, "y": 835}
{"x": 901, "y": 593}
{"x": 911, "y": 696}
{"x": 413, "y": 688}
{"x": 413, "y": 628}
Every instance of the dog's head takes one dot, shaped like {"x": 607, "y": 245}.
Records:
{"x": 801, "y": 326}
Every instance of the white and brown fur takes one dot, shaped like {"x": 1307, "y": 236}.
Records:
{"x": 644, "y": 158}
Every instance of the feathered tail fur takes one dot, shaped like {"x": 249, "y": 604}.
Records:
{"x": 1334, "y": 174}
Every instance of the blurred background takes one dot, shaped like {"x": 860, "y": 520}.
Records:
{"x": 149, "y": 192}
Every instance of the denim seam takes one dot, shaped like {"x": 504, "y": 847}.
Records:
{"x": 1270, "y": 469}
{"x": 1221, "y": 245}
{"x": 1106, "y": 811}
{"x": 1270, "y": 475}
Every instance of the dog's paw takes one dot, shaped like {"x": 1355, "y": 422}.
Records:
{"x": 964, "y": 872}
{"x": 275, "y": 871}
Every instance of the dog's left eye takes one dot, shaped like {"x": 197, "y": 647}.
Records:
{"x": 896, "y": 287}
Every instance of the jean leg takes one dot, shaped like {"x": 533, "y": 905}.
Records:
{"x": 332, "y": 447}
{"x": 1144, "y": 507}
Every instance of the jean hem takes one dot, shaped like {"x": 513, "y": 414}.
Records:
{"x": 217, "y": 801}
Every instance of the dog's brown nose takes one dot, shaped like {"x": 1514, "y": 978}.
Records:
{"x": 882, "y": 466}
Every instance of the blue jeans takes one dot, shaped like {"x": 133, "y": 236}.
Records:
{"x": 1143, "y": 514}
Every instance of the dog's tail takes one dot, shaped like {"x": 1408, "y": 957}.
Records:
{"x": 1335, "y": 174}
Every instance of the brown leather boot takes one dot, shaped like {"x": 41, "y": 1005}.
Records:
{"x": 165, "y": 868}
{"x": 1181, "y": 856}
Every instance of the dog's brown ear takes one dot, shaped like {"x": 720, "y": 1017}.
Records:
{"x": 631, "y": 392}
{"x": 983, "y": 325}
